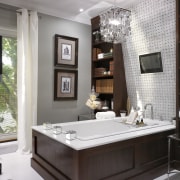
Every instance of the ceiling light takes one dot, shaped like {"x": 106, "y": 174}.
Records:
{"x": 81, "y": 10}
{"x": 115, "y": 24}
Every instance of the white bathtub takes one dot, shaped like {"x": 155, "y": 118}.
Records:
{"x": 92, "y": 133}
{"x": 94, "y": 129}
{"x": 101, "y": 144}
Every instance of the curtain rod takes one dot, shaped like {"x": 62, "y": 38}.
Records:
{"x": 8, "y": 7}
{"x": 29, "y": 13}
{"x": 19, "y": 12}
{"x": 12, "y": 8}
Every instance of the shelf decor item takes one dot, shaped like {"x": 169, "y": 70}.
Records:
{"x": 92, "y": 102}
{"x": 66, "y": 51}
{"x": 65, "y": 84}
{"x": 115, "y": 24}
{"x": 97, "y": 36}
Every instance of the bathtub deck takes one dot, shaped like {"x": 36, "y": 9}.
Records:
{"x": 90, "y": 135}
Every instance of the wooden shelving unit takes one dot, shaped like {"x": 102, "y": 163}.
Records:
{"x": 108, "y": 76}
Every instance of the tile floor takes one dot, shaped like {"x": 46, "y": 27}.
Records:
{"x": 172, "y": 176}
{"x": 16, "y": 166}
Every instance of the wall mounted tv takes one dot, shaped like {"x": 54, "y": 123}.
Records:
{"x": 151, "y": 63}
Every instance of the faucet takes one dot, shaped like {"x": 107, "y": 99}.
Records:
{"x": 145, "y": 107}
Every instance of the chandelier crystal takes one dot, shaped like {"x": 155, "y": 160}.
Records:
{"x": 115, "y": 24}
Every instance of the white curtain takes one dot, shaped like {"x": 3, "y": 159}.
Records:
{"x": 27, "y": 76}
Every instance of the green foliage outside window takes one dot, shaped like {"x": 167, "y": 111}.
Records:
{"x": 8, "y": 86}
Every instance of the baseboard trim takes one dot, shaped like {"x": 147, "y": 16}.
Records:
{"x": 8, "y": 147}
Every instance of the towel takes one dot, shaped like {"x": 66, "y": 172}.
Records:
{"x": 105, "y": 115}
{"x": 132, "y": 117}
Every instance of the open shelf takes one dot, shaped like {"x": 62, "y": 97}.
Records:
{"x": 108, "y": 75}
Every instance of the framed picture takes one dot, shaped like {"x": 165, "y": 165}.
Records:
{"x": 66, "y": 51}
{"x": 65, "y": 84}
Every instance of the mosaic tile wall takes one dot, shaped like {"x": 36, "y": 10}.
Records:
{"x": 153, "y": 30}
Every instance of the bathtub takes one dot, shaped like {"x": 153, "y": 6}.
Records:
{"x": 102, "y": 149}
{"x": 92, "y": 133}
{"x": 94, "y": 129}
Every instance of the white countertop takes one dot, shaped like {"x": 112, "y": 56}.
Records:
{"x": 78, "y": 144}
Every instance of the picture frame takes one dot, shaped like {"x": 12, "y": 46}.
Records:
{"x": 65, "y": 84}
{"x": 66, "y": 51}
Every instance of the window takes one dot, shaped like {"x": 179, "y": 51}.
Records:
{"x": 8, "y": 89}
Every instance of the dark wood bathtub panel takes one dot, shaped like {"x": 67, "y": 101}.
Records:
{"x": 152, "y": 151}
{"x": 55, "y": 154}
{"x": 141, "y": 157}
{"x": 110, "y": 162}
{"x": 120, "y": 160}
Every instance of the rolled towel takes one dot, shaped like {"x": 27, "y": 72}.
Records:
{"x": 105, "y": 115}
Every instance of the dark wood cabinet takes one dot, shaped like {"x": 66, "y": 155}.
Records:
{"x": 108, "y": 75}
{"x": 177, "y": 67}
{"x": 127, "y": 159}
{"x": 176, "y": 150}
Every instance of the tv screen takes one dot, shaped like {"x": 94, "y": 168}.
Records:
{"x": 151, "y": 63}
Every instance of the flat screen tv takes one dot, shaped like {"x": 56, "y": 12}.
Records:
{"x": 151, "y": 63}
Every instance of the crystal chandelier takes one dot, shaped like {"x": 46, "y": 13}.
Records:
{"x": 115, "y": 24}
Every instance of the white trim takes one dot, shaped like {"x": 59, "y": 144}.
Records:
{"x": 8, "y": 32}
{"x": 8, "y": 147}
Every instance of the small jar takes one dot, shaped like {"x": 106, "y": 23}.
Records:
{"x": 122, "y": 113}
{"x": 70, "y": 135}
{"x": 47, "y": 125}
{"x": 57, "y": 130}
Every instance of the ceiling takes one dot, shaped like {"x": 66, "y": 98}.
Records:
{"x": 69, "y": 9}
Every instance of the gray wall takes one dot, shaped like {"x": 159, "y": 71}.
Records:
{"x": 153, "y": 30}
{"x": 62, "y": 111}
{"x": 8, "y": 22}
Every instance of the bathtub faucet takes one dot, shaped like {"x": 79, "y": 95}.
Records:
{"x": 145, "y": 107}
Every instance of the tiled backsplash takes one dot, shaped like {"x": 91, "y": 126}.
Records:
{"x": 153, "y": 30}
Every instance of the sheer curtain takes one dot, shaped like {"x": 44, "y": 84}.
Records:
{"x": 27, "y": 76}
